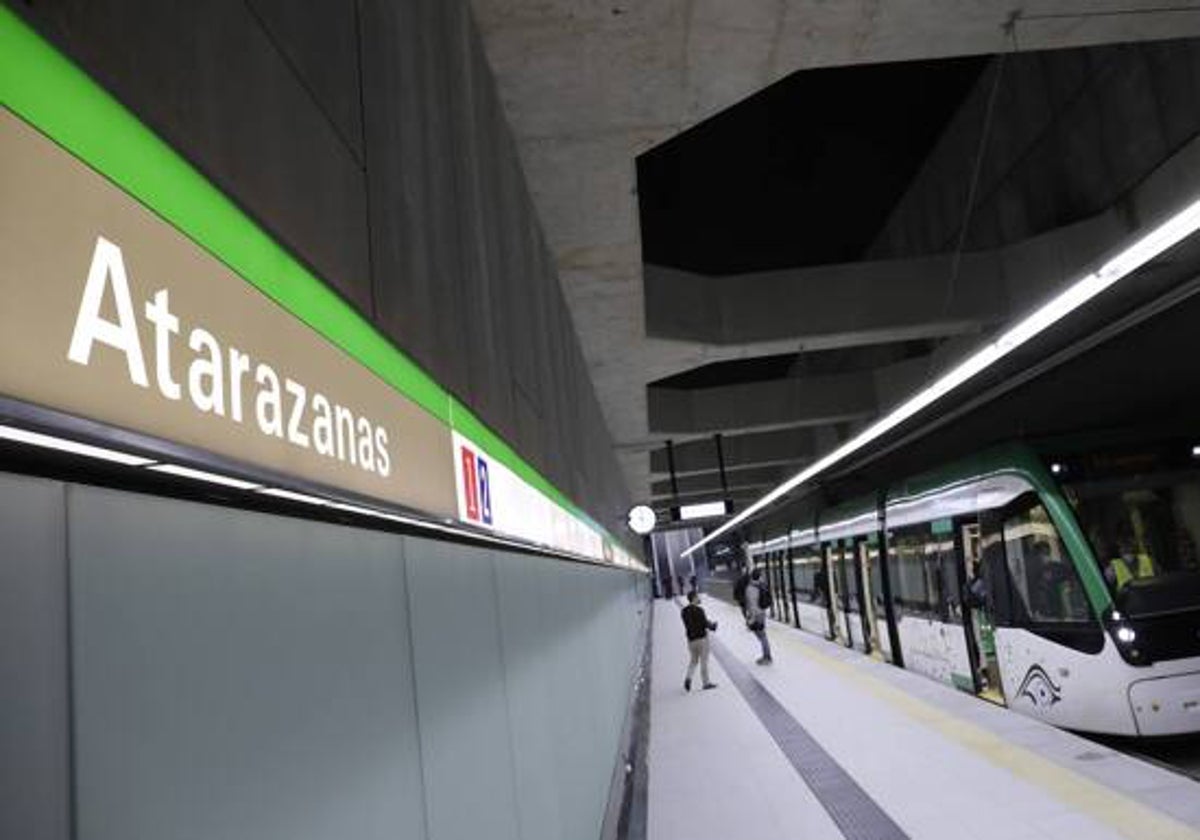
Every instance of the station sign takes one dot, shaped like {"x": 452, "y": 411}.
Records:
{"x": 111, "y": 314}
{"x": 492, "y": 496}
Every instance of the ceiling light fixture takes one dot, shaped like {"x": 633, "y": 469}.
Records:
{"x": 1170, "y": 233}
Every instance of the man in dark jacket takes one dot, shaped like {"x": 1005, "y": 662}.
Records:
{"x": 696, "y": 625}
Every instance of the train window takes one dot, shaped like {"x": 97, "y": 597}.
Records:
{"x": 906, "y": 551}
{"x": 850, "y": 578}
{"x": 806, "y": 571}
{"x": 1045, "y": 584}
{"x": 876, "y": 579}
{"x": 924, "y": 574}
{"x": 998, "y": 600}
{"x": 1145, "y": 528}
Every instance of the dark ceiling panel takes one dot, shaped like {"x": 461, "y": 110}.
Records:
{"x": 791, "y": 365}
{"x": 803, "y": 173}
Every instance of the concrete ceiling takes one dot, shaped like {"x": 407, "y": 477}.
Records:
{"x": 590, "y": 85}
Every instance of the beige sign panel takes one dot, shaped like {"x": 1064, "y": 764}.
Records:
{"x": 107, "y": 312}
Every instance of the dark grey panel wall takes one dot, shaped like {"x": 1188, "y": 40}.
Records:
{"x": 369, "y": 138}
{"x": 209, "y": 78}
{"x": 34, "y": 743}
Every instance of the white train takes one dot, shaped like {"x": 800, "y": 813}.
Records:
{"x": 1065, "y": 587}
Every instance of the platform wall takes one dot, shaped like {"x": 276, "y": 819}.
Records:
{"x": 182, "y": 671}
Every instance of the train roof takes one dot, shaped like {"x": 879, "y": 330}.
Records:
{"x": 1015, "y": 458}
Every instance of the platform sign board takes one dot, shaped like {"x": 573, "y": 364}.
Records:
{"x": 492, "y": 496}
{"x": 111, "y": 314}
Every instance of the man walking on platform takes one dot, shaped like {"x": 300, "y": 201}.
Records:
{"x": 758, "y": 601}
{"x": 696, "y": 625}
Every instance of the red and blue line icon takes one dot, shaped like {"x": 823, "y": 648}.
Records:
{"x": 476, "y": 487}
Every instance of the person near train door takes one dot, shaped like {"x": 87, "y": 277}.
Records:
{"x": 697, "y": 626}
{"x": 758, "y": 601}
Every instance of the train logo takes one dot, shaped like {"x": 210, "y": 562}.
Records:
{"x": 1039, "y": 688}
{"x": 477, "y": 487}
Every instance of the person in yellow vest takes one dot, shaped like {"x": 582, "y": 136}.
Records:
{"x": 1131, "y": 563}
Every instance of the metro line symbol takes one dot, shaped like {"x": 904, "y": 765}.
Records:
{"x": 477, "y": 487}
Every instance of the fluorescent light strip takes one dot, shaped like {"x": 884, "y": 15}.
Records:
{"x": 43, "y": 441}
{"x": 293, "y": 497}
{"x": 356, "y": 509}
{"x": 394, "y": 517}
{"x": 1180, "y": 226}
{"x": 201, "y": 475}
{"x": 73, "y": 447}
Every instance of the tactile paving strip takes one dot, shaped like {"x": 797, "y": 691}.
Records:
{"x": 856, "y": 814}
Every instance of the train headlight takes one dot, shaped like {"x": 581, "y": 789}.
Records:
{"x": 1126, "y": 638}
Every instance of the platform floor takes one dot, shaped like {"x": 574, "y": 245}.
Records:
{"x": 827, "y": 743}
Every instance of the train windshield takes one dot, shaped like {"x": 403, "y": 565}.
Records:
{"x": 1141, "y": 512}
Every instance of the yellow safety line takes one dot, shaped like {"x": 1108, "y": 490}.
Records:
{"x": 1106, "y": 805}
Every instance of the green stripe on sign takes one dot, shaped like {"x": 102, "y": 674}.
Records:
{"x": 46, "y": 90}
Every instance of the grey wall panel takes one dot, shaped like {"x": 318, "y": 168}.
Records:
{"x": 34, "y": 749}
{"x": 587, "y": 749}
{"x": 238, "y": 676}
{"x": 466, "y": 751}
{"x": 569, "y": 635}
{"x": 527, "y": 636}
{"x": 577, "y": 744}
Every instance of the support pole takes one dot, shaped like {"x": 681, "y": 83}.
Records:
{"x": 671, "y": 467}
{"x": 721, "y": 467}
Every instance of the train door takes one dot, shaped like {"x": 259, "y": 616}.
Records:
{"x": 832, "y": 554}
{"x": 848, "y": 587}
{"x": 791, "y": 586}
{"x": 773, "y": 584}
{"x": 855, "y": 607}
{"x": 766, "y": 580}
{"x": 977, "y": 619}
{"x": 783, "y": 599}
{"x": 874, "y": 629}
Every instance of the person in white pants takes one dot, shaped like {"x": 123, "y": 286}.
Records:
{"x": 757, "y": 598}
